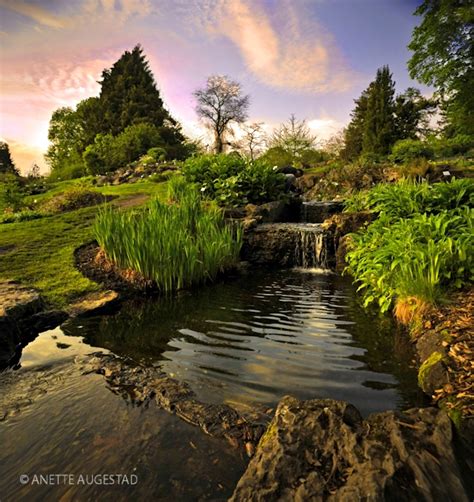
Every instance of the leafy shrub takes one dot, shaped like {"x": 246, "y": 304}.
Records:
{"x": 175, "y": 245}
{"x": 156, "y": 153}
{"x": 232, "y": 180}
{"x": 11, "y": 193}
{"x": 417, "y": 257}
{"x": 281, "y": 157}
{"x": 108, "y": 153}
{"x": 73, "y": 168}
{"x": 406, "y": 198}
{"x": 407, "y": 150}
{"x": 448, "y": 147}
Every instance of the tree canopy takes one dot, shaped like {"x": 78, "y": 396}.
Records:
{"x": 128, "y": 98}
{"x": 380, "y": 118}
{"x": 7, "y": 165}
{"x": 443, "y": 56}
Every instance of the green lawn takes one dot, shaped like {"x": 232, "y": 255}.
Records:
{"x": 39, "y": 253}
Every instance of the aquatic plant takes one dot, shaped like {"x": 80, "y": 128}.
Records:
{"x": 176, "y": 245}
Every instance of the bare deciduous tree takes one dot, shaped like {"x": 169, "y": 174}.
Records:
{"x": 254, "y": 140}
{"x": 219, "y": 104}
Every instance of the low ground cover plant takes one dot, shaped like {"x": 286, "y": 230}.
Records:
{"x": 407, "y": 198}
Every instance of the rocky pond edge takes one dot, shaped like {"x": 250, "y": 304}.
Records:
{"x": 23, "y": 314}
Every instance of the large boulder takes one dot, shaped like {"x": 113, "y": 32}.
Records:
{"x": 319, "y": 211}
{"x": 22, "y": 316}
{"x": 323, "y": 450}
{"x": 17, "y": 303}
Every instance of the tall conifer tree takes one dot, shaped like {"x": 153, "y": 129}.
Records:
{"x": 379, "y": 123}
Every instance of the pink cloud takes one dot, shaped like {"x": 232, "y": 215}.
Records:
{"x": 298, "y": 55}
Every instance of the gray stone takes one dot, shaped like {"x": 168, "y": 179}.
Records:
{"x": 323, "y": 450}
{"x": 318, "y": 211}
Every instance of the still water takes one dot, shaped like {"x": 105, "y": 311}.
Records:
{"x": 247, "y": 341}
{"x": 255, "y": 339}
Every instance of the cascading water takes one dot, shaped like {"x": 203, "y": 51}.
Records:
{"x": 305, "y": 244}
{"x": 310, "y": 248}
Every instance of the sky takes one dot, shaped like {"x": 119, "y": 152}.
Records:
{"x": 307, "y": 57}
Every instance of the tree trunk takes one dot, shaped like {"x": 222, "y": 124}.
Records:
{"x": 219, "y": 144}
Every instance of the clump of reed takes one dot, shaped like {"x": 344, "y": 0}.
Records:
{"x": 176, "y": 244}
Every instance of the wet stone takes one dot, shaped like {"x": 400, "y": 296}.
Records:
{"x": 322, "y": 449}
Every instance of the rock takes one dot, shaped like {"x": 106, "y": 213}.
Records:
{"x": 274, "y": 212}
{"x": 319, "y": 211}
{"x": 17, "y": 302}
{"x": 323, "y": 450}
{"x": 291, "y": 170}
{"x": 94, "y": 303}
{"x": 288, "y": 245}
{"x": 338, "y": 226}
{"x": 141, "y": 384}
{"x": 18, "y": 305}
{"x": 306, "y": 182}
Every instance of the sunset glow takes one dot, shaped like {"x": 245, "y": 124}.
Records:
{"x": 291, "y": 57}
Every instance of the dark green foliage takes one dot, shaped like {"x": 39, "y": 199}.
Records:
{"x": 443, "y": 56}
{"x": 11, "y": 193}
{"x": 354, "y": 132}
{"x": 379, "y": 123}
{"x": 412, "y": 114}
{"x": 128, "y": 115}
{"x": 6, "y": 163}
{"x": 379, "y": 119}
{"x": 175, "y": 245}
{"x": 406, "y": 150}
{"x": 67, "y": 140}
{"x": 108, "y": 153}
{"x": 461, "y": 144}
{"x": 278, "y": 156}
{"x": 129, "y": 95}
{"x": 234, "y": 181}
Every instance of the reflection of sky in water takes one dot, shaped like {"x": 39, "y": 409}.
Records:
{"x": 53, "y": 346}
{"x": 254, "y": 340}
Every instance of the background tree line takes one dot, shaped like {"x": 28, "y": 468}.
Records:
{"x": 128, "y": 119}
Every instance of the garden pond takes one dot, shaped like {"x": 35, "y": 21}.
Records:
{"x": 246, "y": 342}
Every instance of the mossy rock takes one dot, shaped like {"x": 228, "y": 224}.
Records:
{"x": 432, "y": 373}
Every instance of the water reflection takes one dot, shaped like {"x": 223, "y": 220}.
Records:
{"x": 263, "y": 336}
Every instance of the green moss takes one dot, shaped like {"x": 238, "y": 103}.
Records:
{"x": 456, "y": 416}
{"x": 269, "y": 434}
{"x": 39, "y": 253}
{"x": 427, "y": 365}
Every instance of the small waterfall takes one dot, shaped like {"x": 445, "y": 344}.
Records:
{"x": 310, "y": 246}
